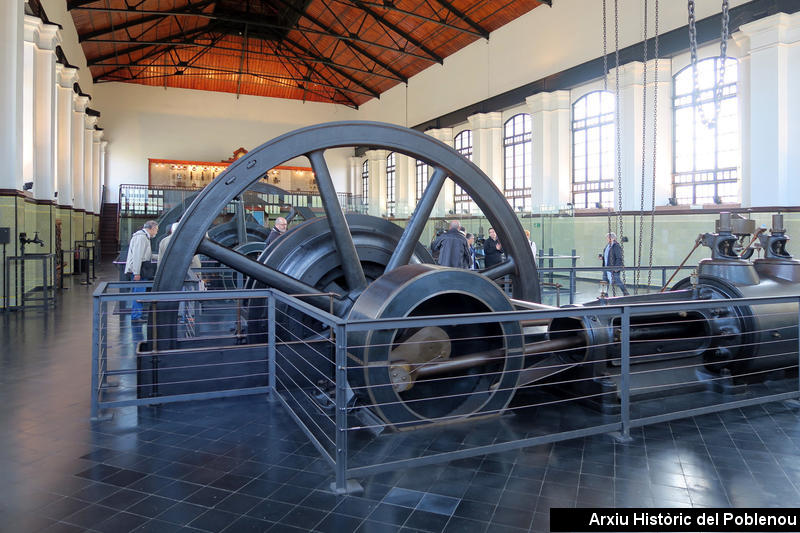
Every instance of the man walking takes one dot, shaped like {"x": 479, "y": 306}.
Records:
{"x": 139, "y": 253}
{"x": 452, "y": 247}
{"x": 612, "y": 257}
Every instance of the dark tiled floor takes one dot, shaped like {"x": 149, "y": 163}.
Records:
{"x": 241, "y": 465}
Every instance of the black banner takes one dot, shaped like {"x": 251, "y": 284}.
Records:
{"x": 672, "y": 519}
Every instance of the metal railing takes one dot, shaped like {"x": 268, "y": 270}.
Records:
{"x": 337, "y": 378}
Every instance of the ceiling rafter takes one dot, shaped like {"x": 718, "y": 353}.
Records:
{"x": 169, "y": 39}
{"x": 399, "y": 31}
{"x": 351, "y": 45}
{"x": 463, "y": 16}
{"x": 143, "y": 20}
{"x": 260, "y": 23}
{"x": 440, "y": 22}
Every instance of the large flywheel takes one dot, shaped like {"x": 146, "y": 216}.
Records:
{"x": 360, "y": 258}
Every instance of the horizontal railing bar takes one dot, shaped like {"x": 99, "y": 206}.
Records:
{"x": 482, "y": 450}
{"x": 184, "y": 397}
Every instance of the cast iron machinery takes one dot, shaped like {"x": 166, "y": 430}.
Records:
{"x": 361, "y": 267}
{"x": 346, "y": 256}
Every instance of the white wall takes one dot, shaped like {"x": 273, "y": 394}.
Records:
{"x": 150, "y": 122}
{"x": 542, "y": 42}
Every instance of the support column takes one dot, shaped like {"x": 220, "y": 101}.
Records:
{"x": 354, "y": 175}
{"x": 487, "y": 144}
{"x": 44, "y": 183}
{"x": 11, "y": 65}
{"x": 31, "y": 37}
{"x": 630, "y": 123}
{"x": 66, "y": 77}
{"x": 89, "y": 194}
{"x": 377, "y": 181}
{"x": 550, "y": 153}
{"x": 96, "y": 181}
{"x": 78, "y": 118}
{"x": 103, "y": 182}
{"x": 445, "y": 204}
{"x": 771, "y": 113}
{"x": 405, "y": 181}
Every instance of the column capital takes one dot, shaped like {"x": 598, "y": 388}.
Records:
{"x": 630, "y": 74}
{"x": 49, "y": 37}
{"x": 81, "y": 103}
{"x": 66, "y": 76}
{"x": 31, "y": 29}
{"x": 779, "y": 28}
{"x": 548, "y": 101}
{"x": 486, "y": 120}
{"x": 377, "y": 155}
{"x": 103, "y": 145}
{"x": 90, "y": 122}
{"x": 97, "y": 136}
{"x": 441, "y": 134}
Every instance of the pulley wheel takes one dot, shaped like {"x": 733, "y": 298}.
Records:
{"x": 480, "y": 362}
{"x": 313, "y": 142}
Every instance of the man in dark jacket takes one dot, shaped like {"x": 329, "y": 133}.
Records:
{"x": 492, "y": 250}
{"x": 612, "y": 257}
{"x": 452, "y": 247}
{"x": 277, "y": 230}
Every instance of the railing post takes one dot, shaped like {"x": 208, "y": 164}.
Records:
{"x": 572, "y": 282}
{"x": 341, "y": 409}
{"x": 550, "y": 262}
{"x": 271, "y": 346}
{"x": 95, "y": 356}
{"x": 625, "y": 369}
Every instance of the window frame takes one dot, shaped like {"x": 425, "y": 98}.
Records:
{"x": 518, "y": 197}
{"x": 715, "y": 176}
{"x": 604, "y": 187}
{"x": 462, "y": 202}
{"x": 391, "y": 180}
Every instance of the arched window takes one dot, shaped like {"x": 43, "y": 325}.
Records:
{"x": 421, "y": 177}
{"x": 365, "y": 182}
{"x": 463, "y": 145}
{"x": 391, "y": 169}
{"x": 593, "y": 150}
{"x": 517, "y": 152}
{"x": 705, "y": 168}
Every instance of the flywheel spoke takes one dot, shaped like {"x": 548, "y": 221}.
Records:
{"x": 351, "y": 265}
{"x": 503, "y": 269}
{"x": 264, "y": 274}
{"x": 405, "y": 248}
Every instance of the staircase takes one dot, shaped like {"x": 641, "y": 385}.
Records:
{"x": 109, "y": 229}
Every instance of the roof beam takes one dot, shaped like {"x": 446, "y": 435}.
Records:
{"x": 262, "y": 24}
{"x": 399, "y": 31}
{"x": 335, "y": 68}
{"x": 463, "y": 16}
{"x": 142, "y": 20}
{"x": 391, "y": 7}
{"x": 353, "y": 46}
{"x": 167, "y": 42}
{"x": 245, "y": 72}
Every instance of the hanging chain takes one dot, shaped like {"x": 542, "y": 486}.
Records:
{"x": 619, "y": 140}
{"x": 605, "y": 49}
{"x": 637, "y": 272}
{"x": 720, "y": 71}
{"x": 605, "y": 88}
{"x": 655, "y": 150}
